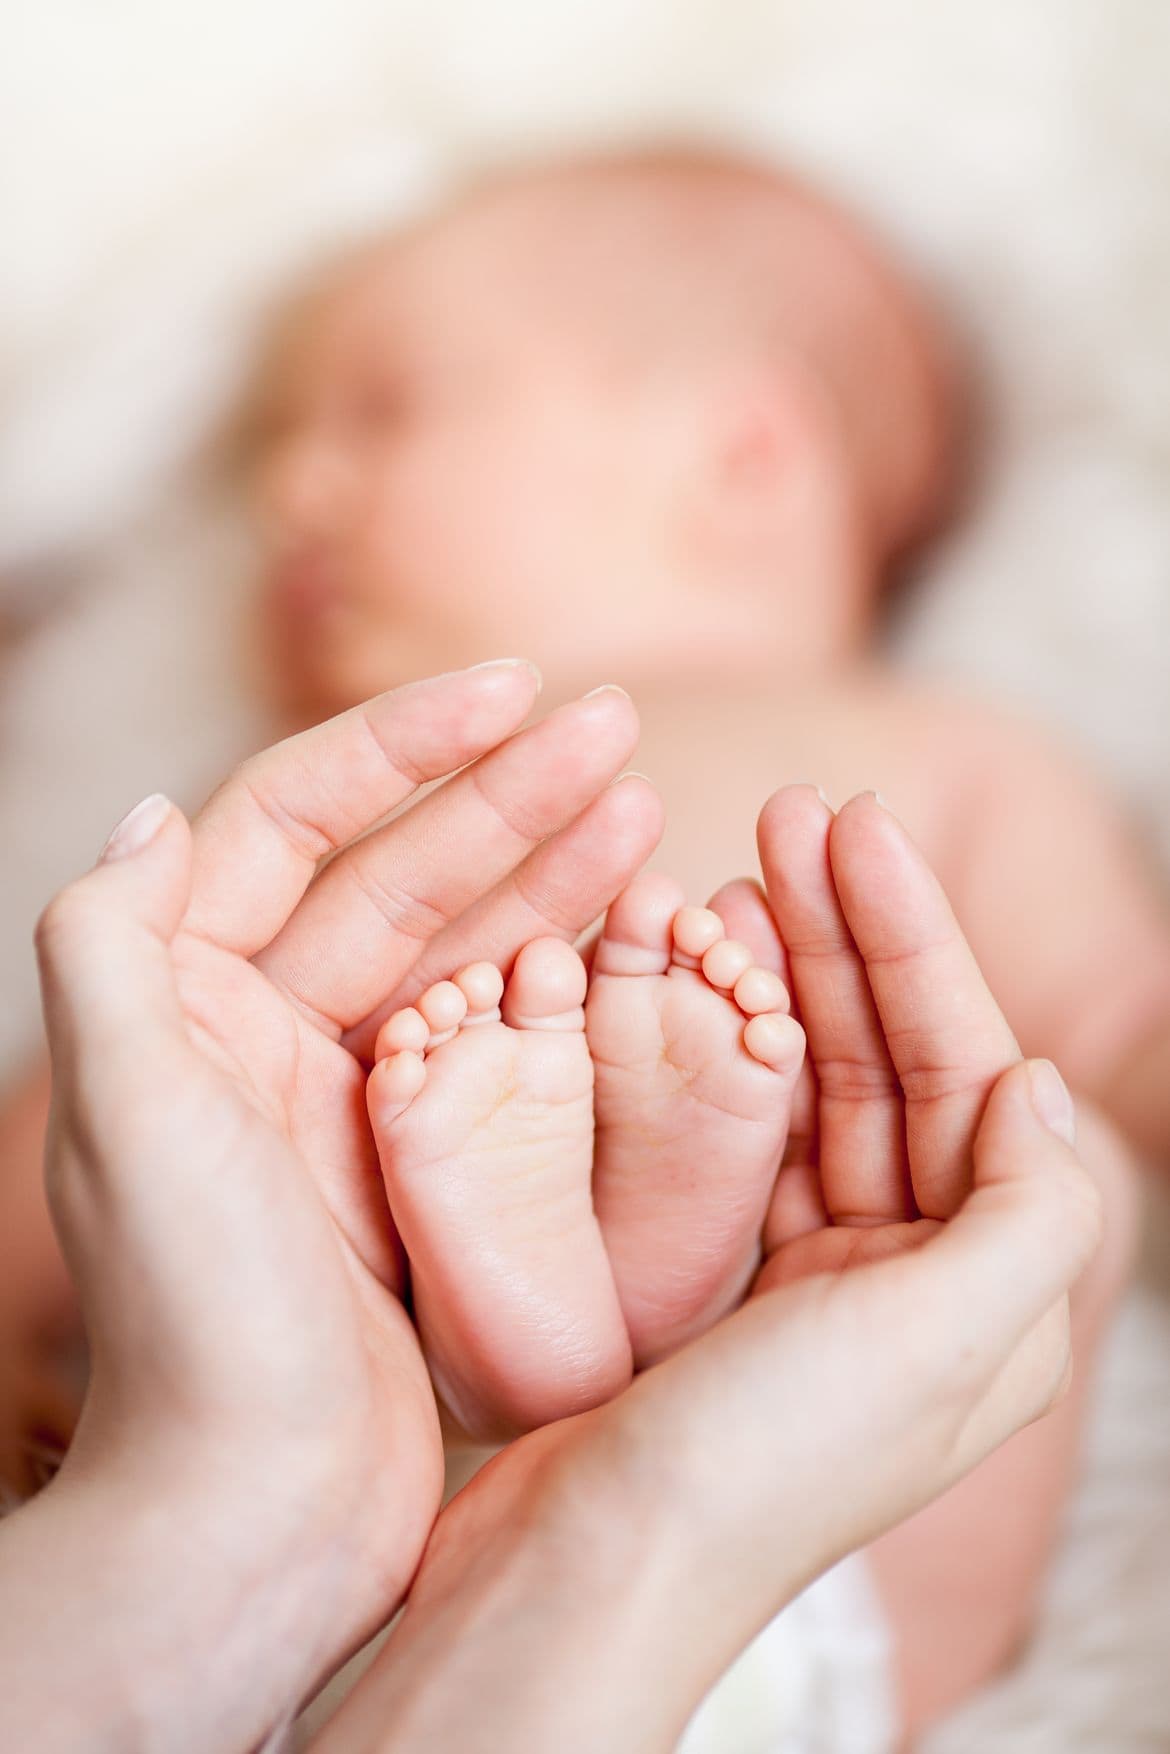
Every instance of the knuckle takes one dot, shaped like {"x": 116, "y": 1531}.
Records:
{"x": 855, "y": 1080}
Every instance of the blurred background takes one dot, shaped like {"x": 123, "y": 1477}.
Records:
{"x": 170, "y": 169}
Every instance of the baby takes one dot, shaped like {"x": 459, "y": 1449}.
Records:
{"x": 676, "y": 417}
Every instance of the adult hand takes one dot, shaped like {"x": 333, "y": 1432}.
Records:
{"x": 258, "y": 1459}
{"x": 595, "y": 1579}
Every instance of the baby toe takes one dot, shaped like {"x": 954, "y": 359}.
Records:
{"x": 403, "y": 1031}
{"x": 637, "y": 935}
{"x": 482, "y": 985}
{"x": 743, "y": 908}
{"x": 758, "y": 990}
{"x": 392, "y": 1086}
{"x": 776, "y": 1040}
{"x": 444, "y": 1007}
{"x": 695, "y": 930}
{"x": 726, "y": 962}
{"x": 546, "y": 989}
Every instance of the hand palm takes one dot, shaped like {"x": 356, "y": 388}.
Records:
{"x": 247, "y": 1312}
{"x": 323, "y": 1335}
{"x": 907, "y": 1192}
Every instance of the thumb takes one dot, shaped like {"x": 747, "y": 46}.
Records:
{"x": 1033, "y": 1220}
{"x": 103, "y": 945}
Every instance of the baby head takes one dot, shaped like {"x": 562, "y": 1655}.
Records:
{"x": 663, "y": 414}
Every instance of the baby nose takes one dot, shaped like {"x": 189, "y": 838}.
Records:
{"x": 302, "y": 486}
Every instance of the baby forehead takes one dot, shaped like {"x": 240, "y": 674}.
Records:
{"x": 618, "y": 255}
{"x": 611, "y": 262}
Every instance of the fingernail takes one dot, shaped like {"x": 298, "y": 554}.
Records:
{"x": 632, "y": 773}
{"x": 607, "y": 688}
{"x": 1051, "y": 1101}
{"x": 137, "y": 829}
{"x": 511, "y": 664}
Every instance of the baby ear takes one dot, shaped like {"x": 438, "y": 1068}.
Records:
{"x": 751, "y": 446}
{"x": 768, "y": 425}
{"x": 765, "y": 442}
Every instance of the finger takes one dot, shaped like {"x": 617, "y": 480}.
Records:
{"x": 364, "y": 922}
{"x": 860, "y": 1121}
{"x": 1028, "y": 1229}
{"x": 947, "y": 1037}
{"x": 103, "y": 953}
{"x": 260, "y": 838}
{"x": 558, "y": 891}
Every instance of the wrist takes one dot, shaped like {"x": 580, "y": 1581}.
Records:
{"x": 142, "y": 1612}
{"x": 547, "y": 1595}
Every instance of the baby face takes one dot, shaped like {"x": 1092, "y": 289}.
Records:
{"x": 536, "y": 425}
{"x": 449, "y": 469}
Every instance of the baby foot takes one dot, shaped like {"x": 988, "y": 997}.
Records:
{"x": 692, "y": 1107}
{"x": 482, "y": 1106}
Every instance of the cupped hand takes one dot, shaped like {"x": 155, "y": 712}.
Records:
{"x": 210, "y": 1164}
{"x": 910, "y": 1315}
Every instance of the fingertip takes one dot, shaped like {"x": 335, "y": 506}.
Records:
{"x": 610, "y": 712}
{"x": 866, "y": 827}
{"x": 793, "y": 827}
{"x": 639, "y": 804}
{"x": 1052, "y": 1101}
{"x": 134, "y": 833}
{"x": 1031, "y": 1097}
{"x": 1024, "y": 1140}
{"x": 142, "y": 879}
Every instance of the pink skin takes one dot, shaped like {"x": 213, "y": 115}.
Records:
{"x": 485, "y": 1132}
{"x": 481, "y": 1104}
{"x": 692, "y": 1100}
{"x": 750, "y": 556}
{"x": 438, "y": 425}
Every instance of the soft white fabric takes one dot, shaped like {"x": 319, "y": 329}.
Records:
{"x": 818, "y": 1680}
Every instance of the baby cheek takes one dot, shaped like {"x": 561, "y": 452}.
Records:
{"x": 457, "y": 519}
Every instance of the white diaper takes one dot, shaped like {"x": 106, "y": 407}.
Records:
{"x": 818, "y": 1680}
